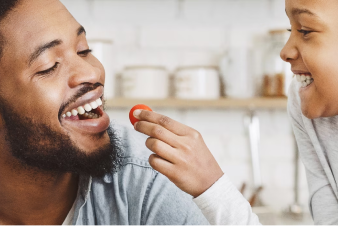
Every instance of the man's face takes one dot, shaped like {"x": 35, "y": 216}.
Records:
{"x": 46, "y": 71}
{"x": 312, "y": 50}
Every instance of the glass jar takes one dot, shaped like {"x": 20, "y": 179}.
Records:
{"x": 277, "y": 73}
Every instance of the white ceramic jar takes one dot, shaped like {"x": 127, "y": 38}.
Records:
{"x": 197, "y": 82}
{"x": 145, "y": 82}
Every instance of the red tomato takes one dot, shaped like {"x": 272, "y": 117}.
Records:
{"x": 133, "y": 120}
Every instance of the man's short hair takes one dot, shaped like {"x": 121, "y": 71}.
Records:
{"x": 5, "y": 7}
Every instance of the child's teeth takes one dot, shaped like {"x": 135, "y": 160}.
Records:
{"x": 81, "y": 110}
{"x": 304, "y": 80}
{"x": 74, "y": 112}
{"x": 64, "y": 116}
{"x": 88, "y": 108}
{"x": 69, "y": 114}
{"x": 304, "y": 84}
{"x": 99, "y": 102}
{"x": 298, "y": 78}
{"x": 94, "y": 105}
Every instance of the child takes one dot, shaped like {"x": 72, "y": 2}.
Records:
{"x": 182, "y": 156}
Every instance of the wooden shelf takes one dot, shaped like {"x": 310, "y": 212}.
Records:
{"x": 223, "y": 103}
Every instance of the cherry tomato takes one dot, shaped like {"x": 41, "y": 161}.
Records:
{"x": 133, "y": 120}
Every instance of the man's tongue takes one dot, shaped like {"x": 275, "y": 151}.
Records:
{"x": 90, "y": 115}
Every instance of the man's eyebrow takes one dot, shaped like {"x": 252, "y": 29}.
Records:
{"x": 298, "y": 11}
{"x": 43, "y": 48}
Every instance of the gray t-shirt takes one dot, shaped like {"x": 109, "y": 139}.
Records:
{"x": 135, "y": 195}
{"x": 318, "y": 147}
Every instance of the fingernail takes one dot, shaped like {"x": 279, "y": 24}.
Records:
{"x": 137, "y": 113}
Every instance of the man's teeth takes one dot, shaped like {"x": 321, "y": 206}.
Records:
{"x": 99, "y": 102}
{"x": 87, "y": 107}
{"x": 85, "y": 110}
{"x": 81, "y": 110}
{"x": 94, "y": 105}
{"x": 305, "y": 80}
{"x": 74, "y": 112}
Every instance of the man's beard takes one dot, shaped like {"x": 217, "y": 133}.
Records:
{"x": 36, "y": 145}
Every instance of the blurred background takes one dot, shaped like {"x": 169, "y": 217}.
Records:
{"x": 213, "y": 65}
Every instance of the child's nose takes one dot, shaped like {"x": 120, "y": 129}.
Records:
{"x": 290, "y": 51}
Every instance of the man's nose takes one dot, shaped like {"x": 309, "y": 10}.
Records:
{"x": 290, "y": 51}
{"x": 82, "y": 72}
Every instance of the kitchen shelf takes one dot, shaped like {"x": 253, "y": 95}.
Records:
{"x": 223, "y": 103}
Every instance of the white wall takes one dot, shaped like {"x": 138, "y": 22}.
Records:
{"x": 173, "y": 33}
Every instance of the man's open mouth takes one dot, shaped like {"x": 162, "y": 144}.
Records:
{"x": 86, "y": 114}
{"x": 90, "y": 110}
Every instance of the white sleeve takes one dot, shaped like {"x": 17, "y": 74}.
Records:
{"x": 223, "y": 204}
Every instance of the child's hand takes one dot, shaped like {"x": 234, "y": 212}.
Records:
{"x": 180, "y": 152}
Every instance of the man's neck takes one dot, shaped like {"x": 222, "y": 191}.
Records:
{"x": 28, "y": 196}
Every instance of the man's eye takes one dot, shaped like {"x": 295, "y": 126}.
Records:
{"x": 304, "y": 32}
{"x": 49, "y": 71}
{"x": 85, "y": 52}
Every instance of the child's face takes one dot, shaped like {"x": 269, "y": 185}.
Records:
{"x": 312, "y": 51}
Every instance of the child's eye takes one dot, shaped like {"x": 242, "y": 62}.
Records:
{"x": 85, "y": 52}
{"x": 304, "y": 32}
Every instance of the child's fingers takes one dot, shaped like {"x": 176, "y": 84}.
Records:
{"x": 164, "y": 121}
{"x": 162, "y": 149}
{"x": 161, "y": 165}
{"x": 158, "y": 132}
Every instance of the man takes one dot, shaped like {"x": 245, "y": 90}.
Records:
{"x": 60, "y": 161}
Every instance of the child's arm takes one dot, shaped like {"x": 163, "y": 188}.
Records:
{"x": 183, "y": 157}
{"x": 223, "y": 204}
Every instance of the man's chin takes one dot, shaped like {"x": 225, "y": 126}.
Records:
{"x": 91, "y": 143}
{"x": 39, "y": 145}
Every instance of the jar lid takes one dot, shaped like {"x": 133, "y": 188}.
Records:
{"x": 278, "y": 31}
{"x": 197, "y": 67}
{"x": 136, "y": 67}
{"x": 105, "y": 41}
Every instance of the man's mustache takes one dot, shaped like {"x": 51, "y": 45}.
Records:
{"x": 82, "y": 91}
